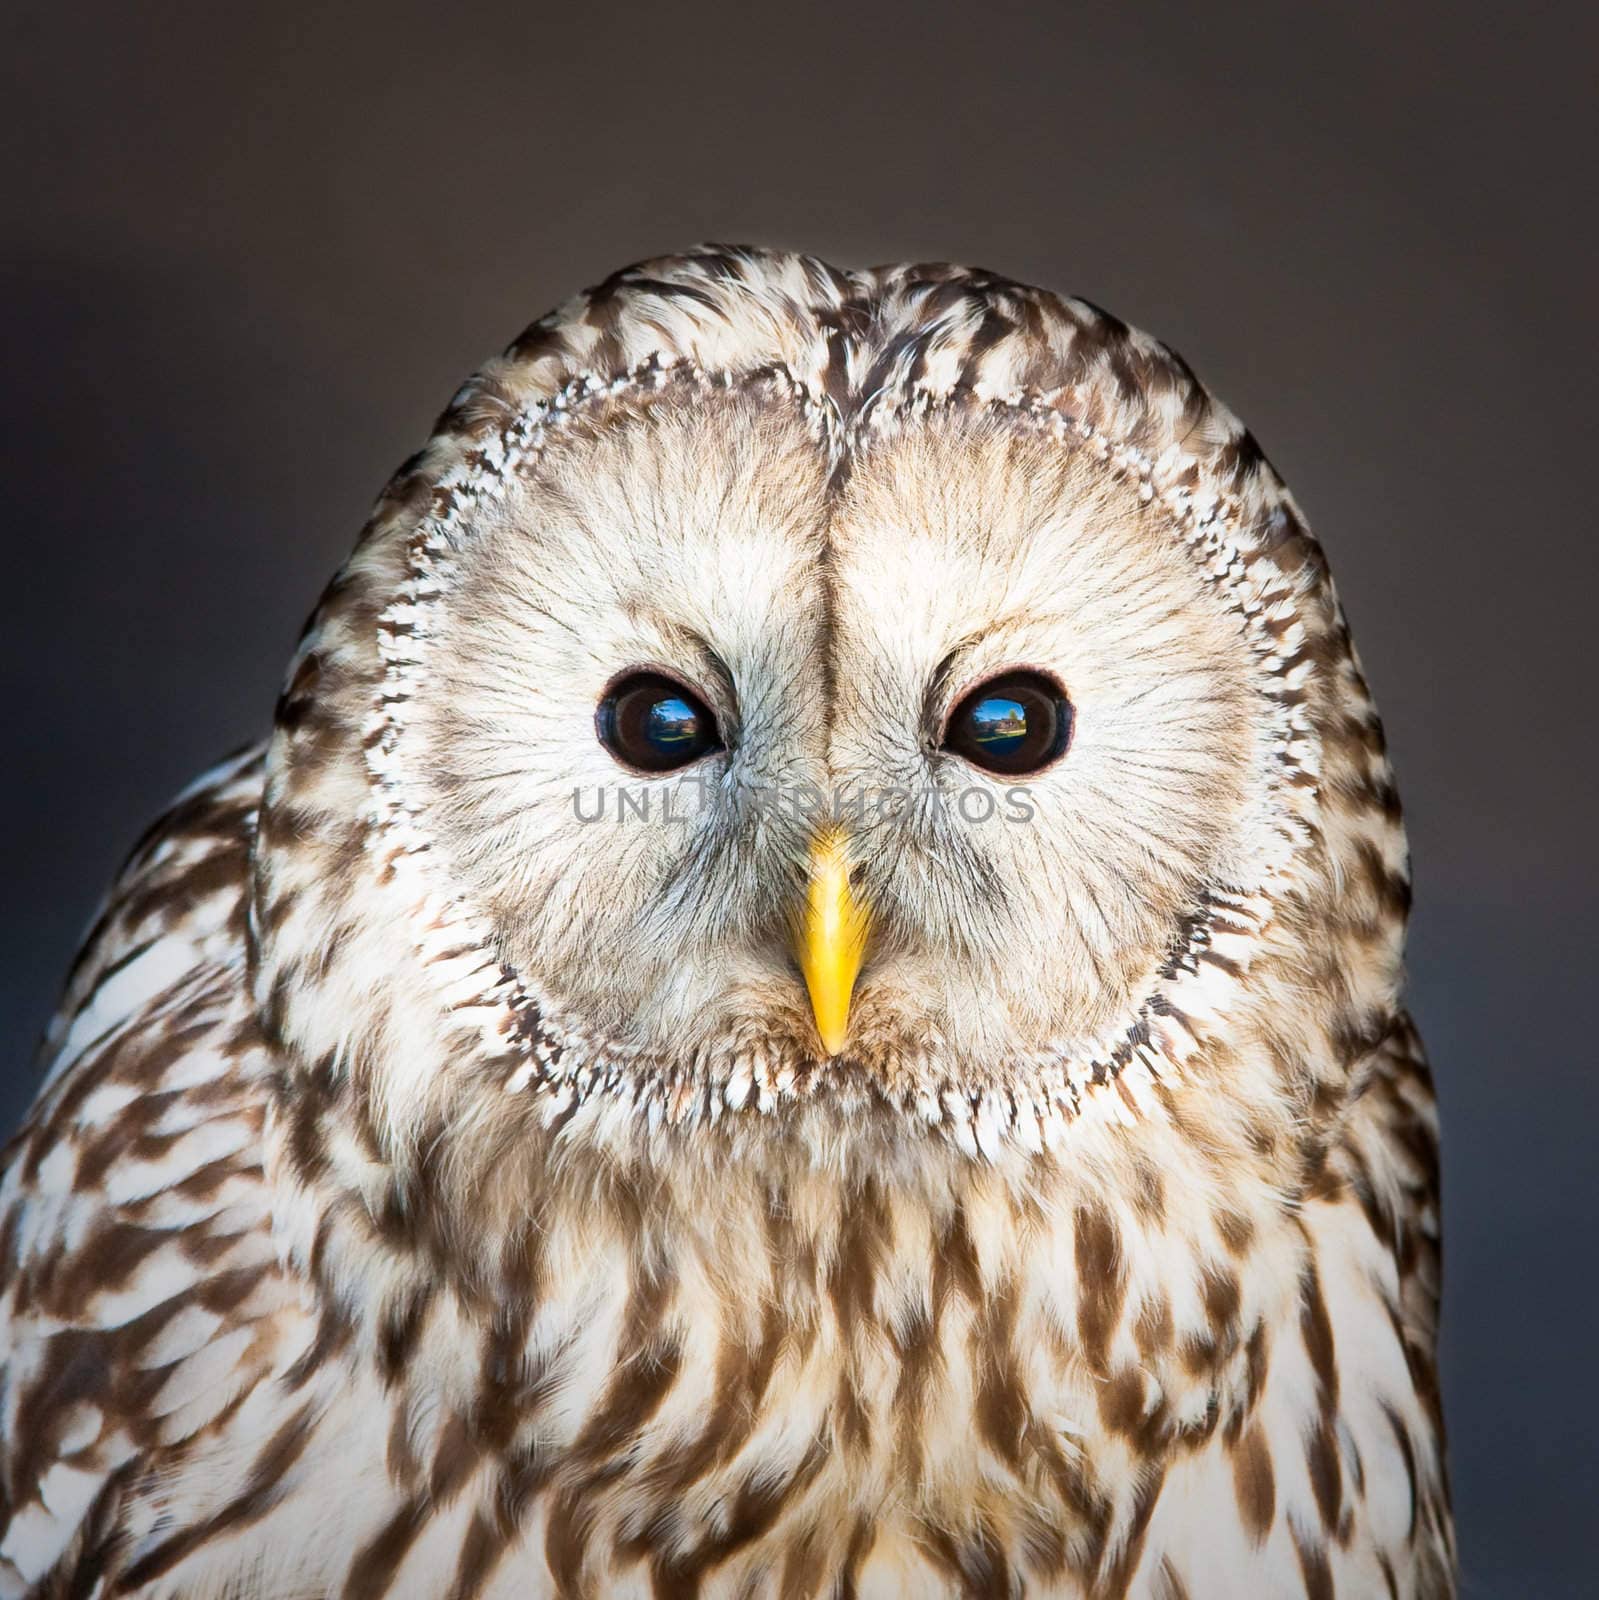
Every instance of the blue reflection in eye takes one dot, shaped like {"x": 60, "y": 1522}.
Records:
{"x": 998, "y": 725}
{"x": 671, "y": 725}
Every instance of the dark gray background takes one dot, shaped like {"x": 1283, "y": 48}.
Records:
{"x": 246, "y": 261}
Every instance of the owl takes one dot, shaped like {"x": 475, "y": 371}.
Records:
{"x": 803, "y": 1002}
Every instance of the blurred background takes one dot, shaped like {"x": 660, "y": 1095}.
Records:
{"x": 248, "y": 253}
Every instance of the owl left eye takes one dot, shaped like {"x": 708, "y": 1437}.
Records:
{"x": 652, "y": 723}
{"x": 1013, "y": 724}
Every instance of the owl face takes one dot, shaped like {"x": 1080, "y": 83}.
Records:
{"x": 696, "y": 655}
{"x": 898, "y": 689}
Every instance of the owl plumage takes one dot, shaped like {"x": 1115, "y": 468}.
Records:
{"x": 436, "y": 1194}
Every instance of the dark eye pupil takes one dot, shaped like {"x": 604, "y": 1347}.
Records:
{"x": 1012, "y": 724}
{"x": 652, "y": 723}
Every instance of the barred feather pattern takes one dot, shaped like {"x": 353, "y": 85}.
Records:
{"x": 338, "y": 1260}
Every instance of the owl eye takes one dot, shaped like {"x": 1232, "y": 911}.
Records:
{"x": 651, "y": 722}
{"x": 1017, "y": 722}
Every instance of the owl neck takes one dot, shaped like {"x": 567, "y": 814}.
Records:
{"x": 1170, "y": 1245}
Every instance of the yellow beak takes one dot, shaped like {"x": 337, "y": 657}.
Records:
{"x": 830, "y": 940}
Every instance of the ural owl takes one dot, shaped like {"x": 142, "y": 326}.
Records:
{"x": 804, "y": 1001}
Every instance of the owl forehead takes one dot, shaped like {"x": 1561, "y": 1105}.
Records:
{"x": 698, "y": 518}
{"x": 858, "y": 350}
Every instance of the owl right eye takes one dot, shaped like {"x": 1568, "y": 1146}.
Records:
{"x": 1016, "y": 723}
{"x": 652, "y": 723}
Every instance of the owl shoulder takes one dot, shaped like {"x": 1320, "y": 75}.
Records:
{"x": 1370, "y": 1321}
{"x": 1388, "y": 1160}
{"x": 139, "y": 1286}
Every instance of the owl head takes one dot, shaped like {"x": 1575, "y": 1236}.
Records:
{"x": 896, "y": 699}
